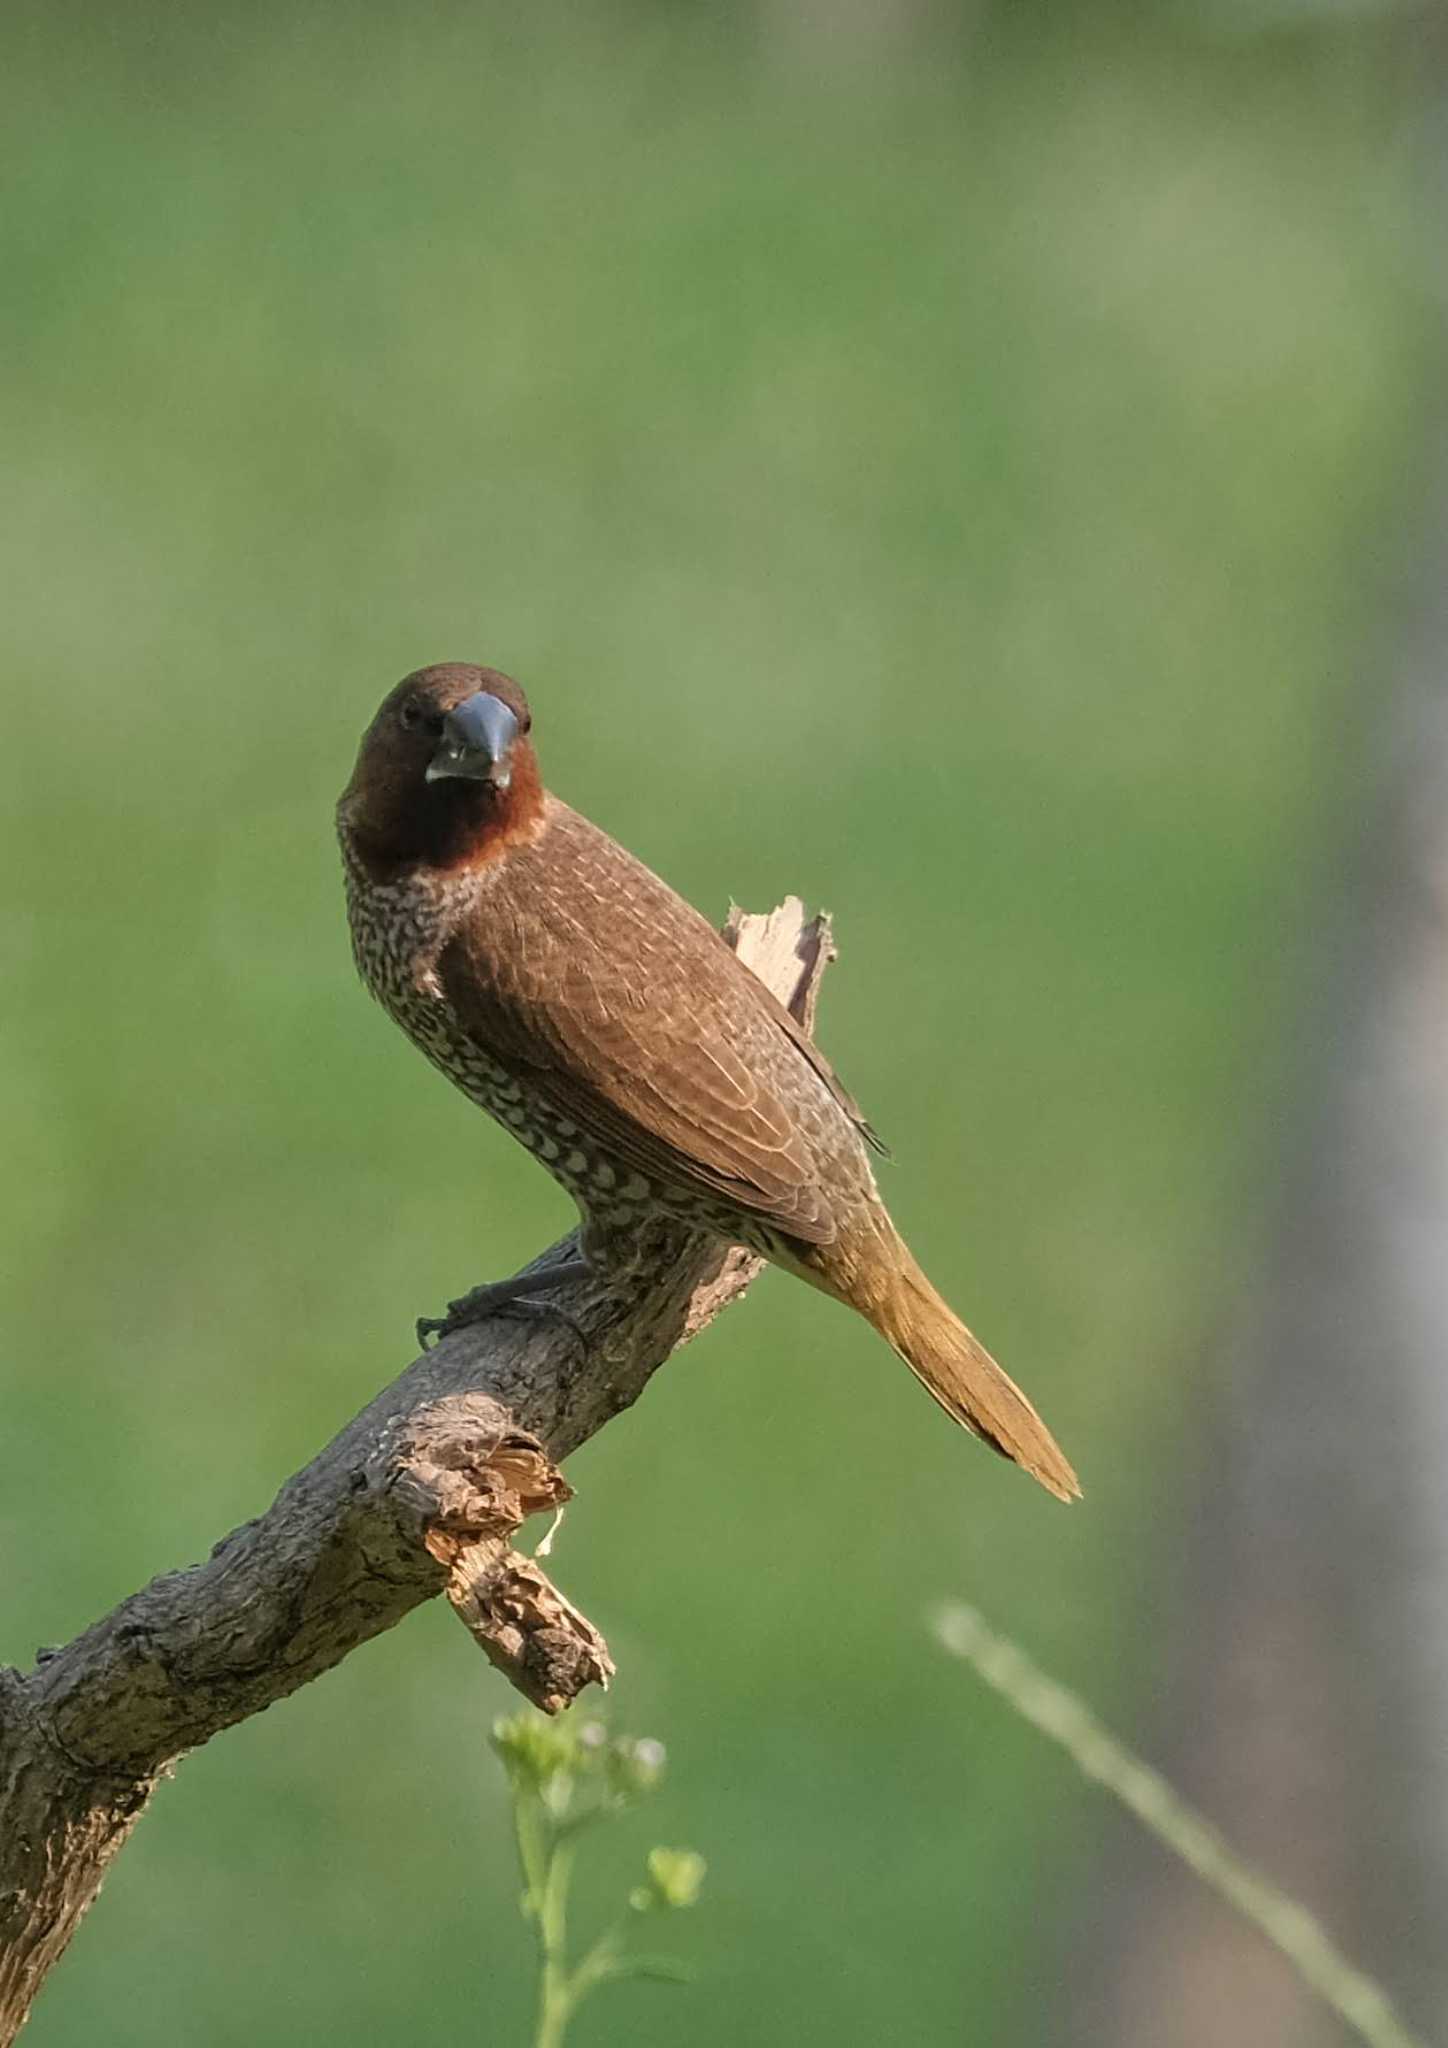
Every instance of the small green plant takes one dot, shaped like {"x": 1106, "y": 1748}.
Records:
{"x": 563, "y": 1777}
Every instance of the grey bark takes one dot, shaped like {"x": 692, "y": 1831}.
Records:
{"x": 419, "y": 1495}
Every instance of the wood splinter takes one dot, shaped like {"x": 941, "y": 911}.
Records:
{"x": 484, "y": 1489}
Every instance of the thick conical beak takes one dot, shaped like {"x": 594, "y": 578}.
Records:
{"x": 477, "y": 742}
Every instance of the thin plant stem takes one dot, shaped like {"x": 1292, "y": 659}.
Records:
{"x": 544, "y": 1886}
{"x": 558, "y": 1995}
{"x": 1357, "y": 2000}
{"x": 600, "y": 1964}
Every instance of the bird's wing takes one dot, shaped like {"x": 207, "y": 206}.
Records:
{"x": 586, "y": 974}
{"x": 795, "y": 1032}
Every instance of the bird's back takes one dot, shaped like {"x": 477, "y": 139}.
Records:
{"x": 581, "y": 970}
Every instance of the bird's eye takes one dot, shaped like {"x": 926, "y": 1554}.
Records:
{"x": 415, "y": 716}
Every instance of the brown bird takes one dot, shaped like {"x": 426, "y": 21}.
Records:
{"x": 572, "y": 994}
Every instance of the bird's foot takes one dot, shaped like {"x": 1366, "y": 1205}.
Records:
{"x": 518, "y": 1296}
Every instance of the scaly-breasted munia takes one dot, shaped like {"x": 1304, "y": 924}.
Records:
{"x": 572, "y": 994}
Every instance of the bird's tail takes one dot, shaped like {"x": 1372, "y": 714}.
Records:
{"x": 963, "y": 1377}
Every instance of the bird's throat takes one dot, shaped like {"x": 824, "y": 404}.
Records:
{"x": 445, "y": 825}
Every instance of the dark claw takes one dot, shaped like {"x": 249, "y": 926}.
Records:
{"x": 504, "y": 1297}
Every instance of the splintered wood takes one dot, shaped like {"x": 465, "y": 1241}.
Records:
{"x": 482, "y": 1486}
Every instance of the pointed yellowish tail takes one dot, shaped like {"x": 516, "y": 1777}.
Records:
{"x": 962, "y": 1376}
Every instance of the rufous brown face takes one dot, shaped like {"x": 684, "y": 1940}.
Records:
{"x": 446, "y": 769}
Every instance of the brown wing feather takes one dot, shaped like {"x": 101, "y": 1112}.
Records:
{"x": 583, "y": 970}
{"x": 802, "y": 1042}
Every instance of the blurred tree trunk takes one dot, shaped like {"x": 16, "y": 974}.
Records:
{"x": 1309, "y": 1712}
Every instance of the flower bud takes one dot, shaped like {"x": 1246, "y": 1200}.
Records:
{"x": 674, "y": 1881}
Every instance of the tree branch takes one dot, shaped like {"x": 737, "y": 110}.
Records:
{"x": 421, "y": 1494}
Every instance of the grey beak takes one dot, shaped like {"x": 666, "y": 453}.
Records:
{"x": 477, "y": 742}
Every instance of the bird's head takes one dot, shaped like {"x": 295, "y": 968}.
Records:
{"x": 446, "y": 771}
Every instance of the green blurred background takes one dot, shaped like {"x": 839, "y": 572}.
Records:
{"x": 944, "y": 464}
